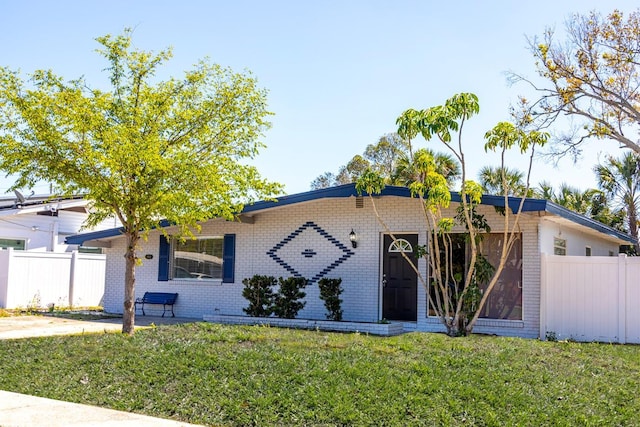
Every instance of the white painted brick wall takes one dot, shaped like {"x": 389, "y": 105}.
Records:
{"x": 360, "y": 273}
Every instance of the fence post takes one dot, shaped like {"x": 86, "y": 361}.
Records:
{"x": 543, "y": 296}
{"x": 5, "y": 264}
{"x": 622, "y": 298}
{"x": 72, "y": 276}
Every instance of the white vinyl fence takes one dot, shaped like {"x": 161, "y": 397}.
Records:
{"x": 590, "y": 298}
{"x": 38, "y": 279}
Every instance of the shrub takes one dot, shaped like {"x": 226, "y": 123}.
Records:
{"x": 258, "y": 292}
{"x": 330, "y": 291}
{"x": 287, "y": 302}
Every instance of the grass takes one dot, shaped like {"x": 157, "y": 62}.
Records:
{"x": 232, "y": 375}
{"x": 76, "y": 313}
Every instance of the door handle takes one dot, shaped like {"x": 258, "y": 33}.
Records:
{"x": 384, "y": 280}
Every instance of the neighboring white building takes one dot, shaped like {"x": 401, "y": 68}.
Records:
{"x": 308, "y": 235}
{"x": 42, "y": 222}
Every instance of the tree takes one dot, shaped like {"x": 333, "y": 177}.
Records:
{"x": 352, "y": 170}
{"x": 456, "y": 300}
{"x": 407, "y": 170}
{"x": 325, "y": 180}
{"x": 146, "y": 150}
{"x": 575, "y": 199}
{"x": 382, "y": 156}
{"x": 491, "y": 180}
{"x": 392, "y": 158}
{"x": 621, "y": 179}
{"x": 591, "y": 202}
{"x": 592, "y": 75}
{"x": 385, "y": 155}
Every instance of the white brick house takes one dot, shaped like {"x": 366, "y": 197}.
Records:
{"x": 308, "y": 235}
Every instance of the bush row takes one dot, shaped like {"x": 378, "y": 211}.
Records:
{"x": 287, "y": 302}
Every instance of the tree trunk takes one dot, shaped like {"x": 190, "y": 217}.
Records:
{"x": 129, "y": 313}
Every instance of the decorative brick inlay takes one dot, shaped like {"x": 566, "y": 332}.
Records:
{"x": 288, "y": 262}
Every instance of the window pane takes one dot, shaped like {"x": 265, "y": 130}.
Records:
{"x": 12, "y": 243}
{"x": 198, "y": 259}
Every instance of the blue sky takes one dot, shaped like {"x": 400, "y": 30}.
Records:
{"x": 338, "y": 72}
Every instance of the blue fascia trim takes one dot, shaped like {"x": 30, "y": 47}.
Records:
{"x": 79, "y": 239}
{"x": 349, "y": 190}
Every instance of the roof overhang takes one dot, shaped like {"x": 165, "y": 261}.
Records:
{"x": 349, "y": 190}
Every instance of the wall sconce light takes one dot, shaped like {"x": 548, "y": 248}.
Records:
{"x": 353, "y": 237}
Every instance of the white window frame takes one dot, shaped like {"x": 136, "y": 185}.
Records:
{"x": 559, "y": 246}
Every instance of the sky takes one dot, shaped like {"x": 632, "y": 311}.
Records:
{"x": 338, "y": 73}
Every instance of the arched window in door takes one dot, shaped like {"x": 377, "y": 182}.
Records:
{"x": 400, "y": 245}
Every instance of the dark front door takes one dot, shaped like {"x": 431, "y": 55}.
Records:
{"x": 399, "y": 280}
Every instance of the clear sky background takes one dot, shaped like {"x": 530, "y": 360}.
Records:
{"x": 338, "y": 72}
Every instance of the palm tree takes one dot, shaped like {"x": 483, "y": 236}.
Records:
{"x": 621, "y": 179}
{"x": 575, "y": 199}
{"x": 491, "y": 181}
{"x": 545, "y": 191}
{"x": 406, "y": 171}
{"x": 591, "y": 202}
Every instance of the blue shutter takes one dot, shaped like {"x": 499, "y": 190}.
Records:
{"x": 163, "y": 259}
{"x": 228, "y": 258}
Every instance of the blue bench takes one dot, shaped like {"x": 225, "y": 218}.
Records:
{"x": 164, "y": 298}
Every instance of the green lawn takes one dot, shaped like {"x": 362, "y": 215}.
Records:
{"x": 230, "y": 375}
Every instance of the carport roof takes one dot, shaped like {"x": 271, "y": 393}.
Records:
{"x": 349, "y": 190}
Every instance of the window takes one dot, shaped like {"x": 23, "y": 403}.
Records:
{"x": 559, "y": 246}
{"x": 400, "y": 245}
{"x": 611, "y": 253}
{"x": 89, "y": 250}
{"x": 587, "y": 251}
{"x": 18, "y": 244}
{"x": 190, "y": 255}
{"x": 505, "y": 299}
{"x": 199, "y": 258}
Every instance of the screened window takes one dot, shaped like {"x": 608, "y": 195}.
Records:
{"x": 18, "y": 244}
{"x": 587, "y": 251}
{"x": 505, "y": 299}
{"x": 198, "y": 259}
{"x": 559, "y": 246}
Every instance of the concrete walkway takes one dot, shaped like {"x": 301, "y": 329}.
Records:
{"x": 43, "y": 326}
{"x": 23, "y": 410}
{"x": 17, "y": 410}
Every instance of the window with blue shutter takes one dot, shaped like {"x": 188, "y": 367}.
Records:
{"x": 228, "y": 258}
{"x": 204, "y": 258}
{"x": 163, "y": 259}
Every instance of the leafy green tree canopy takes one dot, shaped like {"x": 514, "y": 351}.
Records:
{"x": 145, "y": 150}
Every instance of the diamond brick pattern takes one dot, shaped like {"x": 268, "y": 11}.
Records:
{"x": 298, "y": 262}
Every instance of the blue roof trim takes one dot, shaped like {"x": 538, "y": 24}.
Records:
{"x": 349, "y": 190}
{"x": 79, "y": 239}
